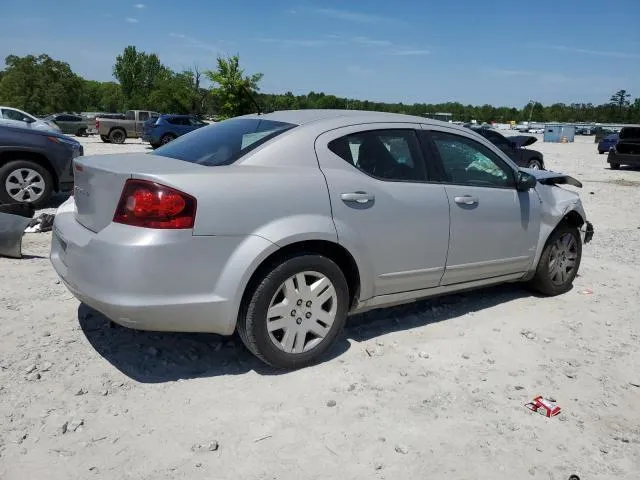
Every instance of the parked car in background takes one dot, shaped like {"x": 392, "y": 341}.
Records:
{"x": 162, "y": 130}
{"x": 280, "y": 225}
{"x": 608, "y": 142}
{"x": 116, "y": 130}
{"x": 513, "y": 147}
{"x": 627, "y": 150}
{"x": 70, "y": 123}
{"x": 601, "y": 132}
{"x": 13, "y": 116}
{"x": 34, "y": 164}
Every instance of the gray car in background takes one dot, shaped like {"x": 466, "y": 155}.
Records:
{"x": 280, "y": 225}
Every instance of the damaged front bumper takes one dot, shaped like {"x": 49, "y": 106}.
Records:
{"x": 13, "y": 220}
{"x": 586, "y": 232}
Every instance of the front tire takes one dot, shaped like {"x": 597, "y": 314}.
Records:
{"x": 615, "y": 166}
{"x": 292, "y": 315}
{"x": 167, "y": 138}
{"x": 82, "y": 132}
{"x": 23, "y": 181}
{"x": 105, "y": 138}
{"x": 559, "y": 262}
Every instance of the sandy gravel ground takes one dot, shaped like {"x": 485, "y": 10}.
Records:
{"x": 431, "y": 390}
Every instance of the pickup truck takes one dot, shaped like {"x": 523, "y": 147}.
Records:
{"x": 115, "y": 130}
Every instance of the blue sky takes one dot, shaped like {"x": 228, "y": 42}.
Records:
{"x": 492, "y": 51}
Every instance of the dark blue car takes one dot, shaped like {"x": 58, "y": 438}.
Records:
{"x": 608, "y": 142}
{"x": 160, "y": 131}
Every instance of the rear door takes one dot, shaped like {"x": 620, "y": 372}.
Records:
{"x": 384, "y": 207}
{"x": 494, "y": 227}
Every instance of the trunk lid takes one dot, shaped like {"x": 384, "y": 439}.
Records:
{"x": 98, "y": 182}
{"x": 523, "y": 140}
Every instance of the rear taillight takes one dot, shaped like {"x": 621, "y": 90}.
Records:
{"x": 151, "y": 205}
{"x": 97, "y": 125}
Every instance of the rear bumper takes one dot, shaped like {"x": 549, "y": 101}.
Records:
{"x": 153, "y": 280}
{"x": 622, "y": 159}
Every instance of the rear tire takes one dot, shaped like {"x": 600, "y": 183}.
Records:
{"x": 166, "y": 138}
{"x": 81, "y": 132}
{"x": 615, "y": 166}
{"x": 38, "y": 177}
{"x": 559, "y": 262}
{"x": 601, "y": 152}
{"x": 279, "y": 289}
{"x": 117, "y": 136}
{"x": 105, "y": 139}
{"x": 535, "y": 164}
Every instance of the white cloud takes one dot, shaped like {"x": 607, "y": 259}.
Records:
{"x": 371, "y": 42}
{"x": 139, "y": 5}
{"x": 193, "y": 42}
{"x": 297, "y": 42}
{"x": 405, "y": 52}
{"x": 359, "y": 70}
{"x": 599, "y": 53}
{"x": 131, "y": 20}
{"x": 350, "y": 16}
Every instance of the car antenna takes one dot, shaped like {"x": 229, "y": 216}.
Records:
{"x": 246, "y": 90}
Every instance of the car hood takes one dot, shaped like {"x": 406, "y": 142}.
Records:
{"x": 523, "y": 140}
{"x": 547, "y": 177}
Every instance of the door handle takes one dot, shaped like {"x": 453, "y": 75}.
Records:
{"x": 358, "y": 197}
{"x": 466, "y": 200}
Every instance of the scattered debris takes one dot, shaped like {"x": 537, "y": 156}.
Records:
{"x": 376, "y": 351}
{"x": 81, "y": 391}
{"x": 75, "y": 424}
{"x": 637, "y": 385}
{"x": 402, "y": 449}
{"x": 378, "y": 466}
{"x": 403, "y": 373}
{"x": 423, "y": 355}
{"x": 46, "y": 366}
{"x": 608, "y": 323}
{"x": 262, "y": 438}
{"x": 331, "y": 403}
{"x": 205, "y": 447}
{"x": 547, "y": 340}
{"x": 64, "y": 427}
{"x": 544, "y": 406}
{"x": 380, "y": 343}
{"x": 528, "y": 334}
{"x": 518, "y": 387}
{"x": 586, "y": 291}
{"x": 30, "y": 369}
{"x": 466, "y": 356}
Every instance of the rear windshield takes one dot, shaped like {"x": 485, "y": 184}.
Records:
{"x": 630, "y": 132}
{"x": 223, "y": 143}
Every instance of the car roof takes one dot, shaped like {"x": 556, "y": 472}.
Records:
{"x": 341, "y": 118}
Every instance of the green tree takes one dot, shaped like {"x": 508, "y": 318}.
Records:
{"x": 233, "y": 91}
{"x": 620, "y": 99}
{"x": 139, "y": 74}
{"x": 40, "y": 85}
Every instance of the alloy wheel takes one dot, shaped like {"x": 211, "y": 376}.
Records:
{"x": 562, "y": 259}
{"x": 302, "y": 312}
{"x": 25, "y": 185}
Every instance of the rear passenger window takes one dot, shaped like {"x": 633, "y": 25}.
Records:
{"x": 143, "y": 116}
{"x": 385, "y": 154}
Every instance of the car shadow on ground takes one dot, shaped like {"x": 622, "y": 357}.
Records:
{"x": 157, "y": 357}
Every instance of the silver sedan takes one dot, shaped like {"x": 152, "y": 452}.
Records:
{"x": 280, "y": 225}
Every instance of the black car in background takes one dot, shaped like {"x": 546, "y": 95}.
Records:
{"x": 514, "y": 147}
{"x": 34, "y": 164}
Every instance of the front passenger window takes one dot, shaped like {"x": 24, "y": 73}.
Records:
{"x": 467, "y": 162}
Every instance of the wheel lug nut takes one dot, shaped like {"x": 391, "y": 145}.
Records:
{"x": 308, "y": 315}
{"x": 298, "y": 321}
{"x": 299, "y": 302}
{"x": 293, "y": 313}
{"x": 309, "y": 303}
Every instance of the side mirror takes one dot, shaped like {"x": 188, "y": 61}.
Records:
{"x": 525, "y": 181}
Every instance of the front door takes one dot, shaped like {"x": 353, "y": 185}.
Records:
{"x": 384, "y": 207}
{"x": 494, "y": 227}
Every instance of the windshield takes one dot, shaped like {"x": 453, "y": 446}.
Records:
{"x": 223, "y": 143}
{"x": 630, "y": 132}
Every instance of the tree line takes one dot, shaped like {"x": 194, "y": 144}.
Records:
{"x": 41, "y": 85}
